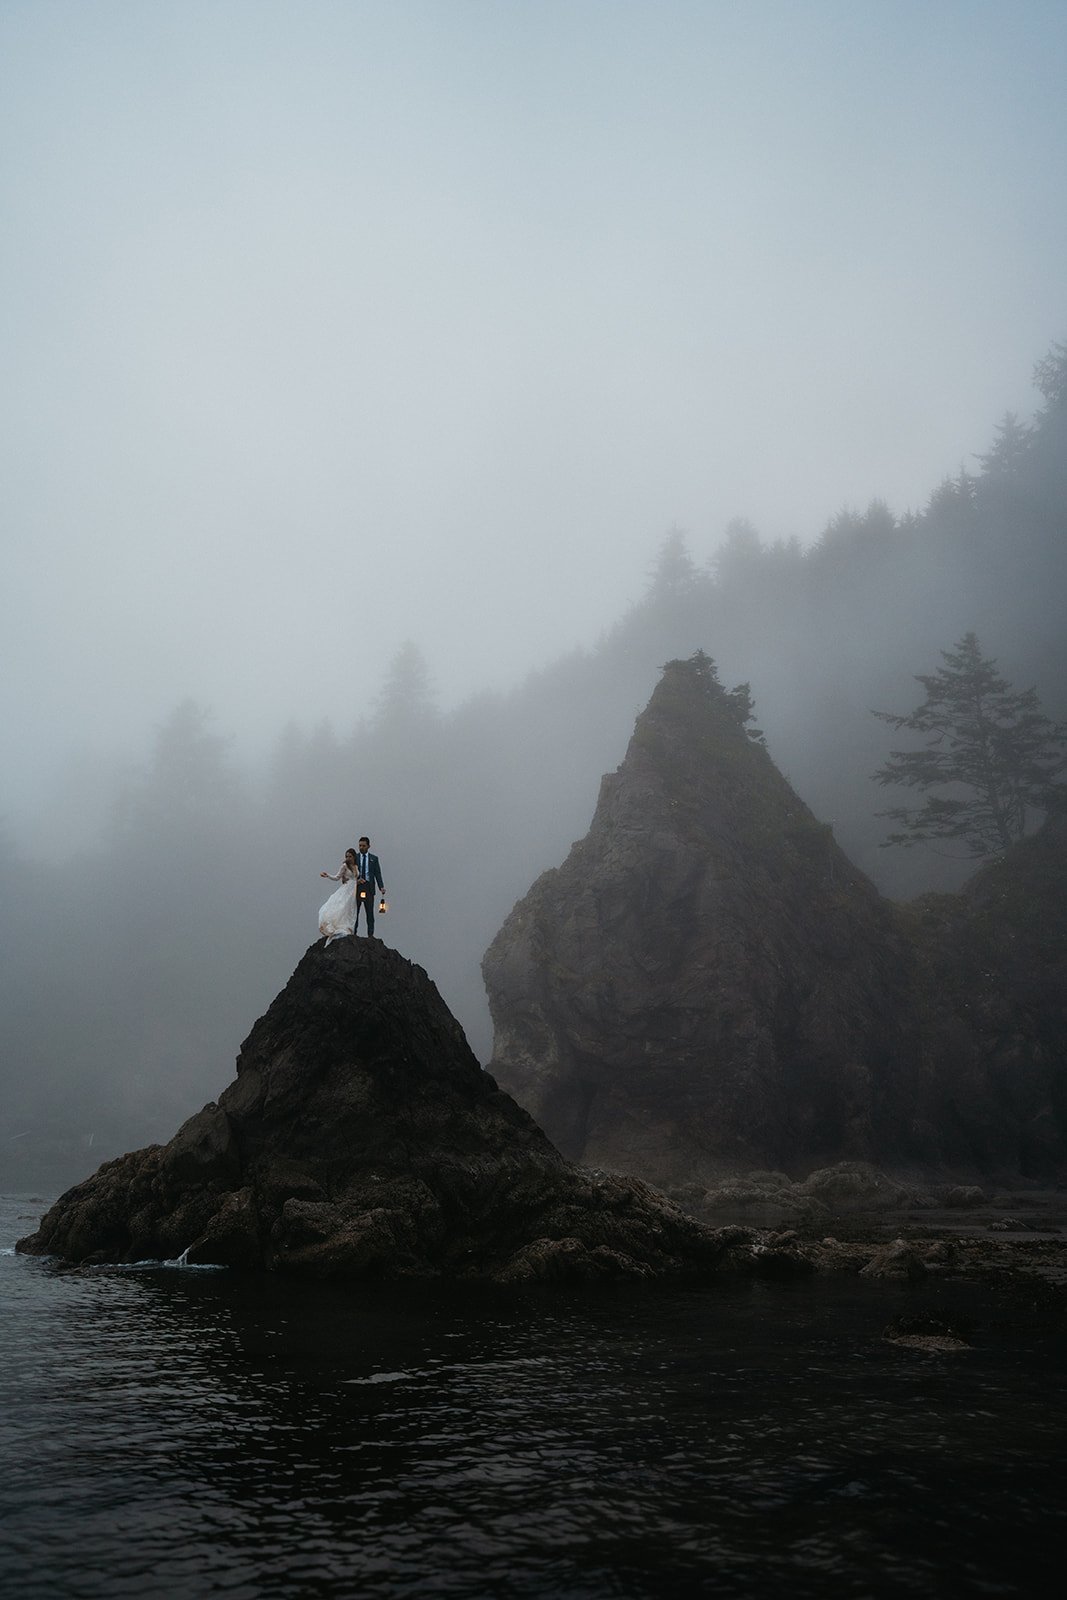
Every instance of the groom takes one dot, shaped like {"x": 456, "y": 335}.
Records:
{"x": 368, "y": 873}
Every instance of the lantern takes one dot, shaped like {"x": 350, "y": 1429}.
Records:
{"x": 383, "y": 906}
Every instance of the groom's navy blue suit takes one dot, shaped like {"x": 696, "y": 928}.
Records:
{"x": 368, "y": 873}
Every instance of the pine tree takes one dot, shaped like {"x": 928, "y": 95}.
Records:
{"x": 189, "y": 786}
{"x": 1007, "y": 457}
{"x": 674, "y": 571}
{"x": 953, "y": 499}
{"x": 1050, "y": 378}
{"x": 406, "y": 701}
{"x": 988, "y": 745}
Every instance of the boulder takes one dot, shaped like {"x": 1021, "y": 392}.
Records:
{"x": 960, "y": 1196}
{"x": 855, "y": 1186}
{"x": 896, "y": 1260}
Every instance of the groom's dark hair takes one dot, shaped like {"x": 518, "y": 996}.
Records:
{"x": 363, "y": 839}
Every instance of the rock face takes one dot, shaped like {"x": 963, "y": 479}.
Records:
{"x": 708, "y": 984}
{"x": 361, "y": 1138}
{"x": 993, "y": 965}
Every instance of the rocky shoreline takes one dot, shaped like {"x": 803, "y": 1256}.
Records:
{"x": 909, "y": 1252}
{"x": 1005, "y": 1240}
{"x": 852, "y": 1218}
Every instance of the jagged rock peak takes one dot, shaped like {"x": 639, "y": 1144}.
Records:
{"x": 361, "y": 1138}
{"x": 707, "y": 984}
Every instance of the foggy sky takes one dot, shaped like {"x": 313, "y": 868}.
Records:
{"x": 331, "y": 325}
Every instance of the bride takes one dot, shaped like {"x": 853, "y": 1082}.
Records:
{"x": 338, "y": 916}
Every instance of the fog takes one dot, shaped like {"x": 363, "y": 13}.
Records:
{"x": 330, "y": 328}
{"x": 332, "y": 325}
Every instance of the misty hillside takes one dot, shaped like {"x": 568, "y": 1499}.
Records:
{"x": 132, "y": 972}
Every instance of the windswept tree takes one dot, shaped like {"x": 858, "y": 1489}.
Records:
{"x": 991, "y": 758}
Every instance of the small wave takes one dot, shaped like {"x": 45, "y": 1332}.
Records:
{"x": 177, "y": 1265}
{"x": 383, "y": 1377}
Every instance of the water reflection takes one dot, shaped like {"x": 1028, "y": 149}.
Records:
{"x": 173, "y": 1433}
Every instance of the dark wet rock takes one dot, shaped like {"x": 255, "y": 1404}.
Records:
{"x": 927, "y": 1333}
{"x": 845, "y": 1189}
{"x": 361, "y": 1138}
{"x": 896, "y": 1260}
{"x": 230, "y": 1238}
{"x": 750, "y": 1196}
{"x": 782, "y": 1255}
{"x": 940, "y": 1255}
{"x": 707, "y": 985}
{"x": 855, "y": 1186}
{"x": 568, "y": 1261}
{"x": 775, "y": 1182}
{"x": 933, "y": 1343}
{"x": 203, "y": 1151}
{"x": 960, "y": 1196}
{"x": 830, "y": 1255}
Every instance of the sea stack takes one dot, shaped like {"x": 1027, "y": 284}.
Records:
{"x": 361, "y": 1139}
{"x": 707, "y": 985}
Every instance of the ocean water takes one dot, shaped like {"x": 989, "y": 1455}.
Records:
{"x": 177, "y": 1432}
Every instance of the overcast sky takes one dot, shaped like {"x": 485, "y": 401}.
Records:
{"x": 329, "y": 324}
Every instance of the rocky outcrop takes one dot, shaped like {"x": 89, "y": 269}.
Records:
{"x": 993, "y": 995}
{"x": 849, "y": 1188}
{"x": 362, "y": 1139}
{"x": 707, "y": 985}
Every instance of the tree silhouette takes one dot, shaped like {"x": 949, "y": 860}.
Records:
{"x": 740, "y": 550}
{"x": 1009, "y": 453}
{"x": 988, "y": 745}
{"x": 188, "y": 797}
{"x": 1050, "y": 378}
{"x": 674, "y": 571}
{"x": 953, "y": 499}
{"x": 407, "y": 698}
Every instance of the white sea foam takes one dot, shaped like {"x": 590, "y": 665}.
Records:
{"x": 157, "y": 1266}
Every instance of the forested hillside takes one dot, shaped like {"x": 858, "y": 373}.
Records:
{"x": 130, "y": 976}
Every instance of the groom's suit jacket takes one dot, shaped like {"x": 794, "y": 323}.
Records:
{"x": 373, "y": 873}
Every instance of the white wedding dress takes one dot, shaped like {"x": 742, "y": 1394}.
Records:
{"x": 338, "y": 916}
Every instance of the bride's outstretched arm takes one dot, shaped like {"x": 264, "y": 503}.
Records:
{"x": 335, "y": 877}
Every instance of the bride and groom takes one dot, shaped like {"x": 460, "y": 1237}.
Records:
{"x": 360, "y": 872}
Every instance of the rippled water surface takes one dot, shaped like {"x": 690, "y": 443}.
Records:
{"x": 168, "y": 1432}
